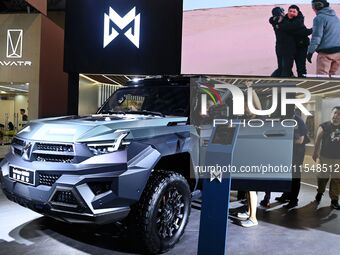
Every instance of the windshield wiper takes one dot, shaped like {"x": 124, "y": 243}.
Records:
{"x": 145, "y": 112}
{"x": 112, "y": 112}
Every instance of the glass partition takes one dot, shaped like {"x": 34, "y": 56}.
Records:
{"x": 13, "y": 112}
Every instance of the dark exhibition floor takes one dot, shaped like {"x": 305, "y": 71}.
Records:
{"x": 308, "y": 229}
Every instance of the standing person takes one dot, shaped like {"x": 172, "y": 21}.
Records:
{"x": 291, "y": 41}
{"x": 300, "y": 141}
{"x": 24, "y": 117}
{"x": 328, "y": 139}
{"x": 277, "y": 14}
{"x": 301, "y": 39}
{"x": 325, "y": 39}
{"x": 293, "y": 25}
{"x": 241, "y": 195}
{"x": 285, "y": 45}
{"x": 249, "y": 218}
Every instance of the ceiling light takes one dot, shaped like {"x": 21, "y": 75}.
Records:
{"x": 88, "y": 78}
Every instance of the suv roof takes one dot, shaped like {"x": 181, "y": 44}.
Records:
{"x": 161, "y": 81}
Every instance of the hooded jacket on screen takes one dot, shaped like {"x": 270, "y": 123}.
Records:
{"x": 297, "y": 28}
{"x": 290, "y": 34}
{"x": 326, "y": 32}
{"x": 285, "y": 42}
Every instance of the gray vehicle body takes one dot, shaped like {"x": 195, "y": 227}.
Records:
{"x": 150, "y": 138}
{"x": 72, "y": 184}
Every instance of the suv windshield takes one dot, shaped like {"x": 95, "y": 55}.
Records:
{"x": 165, "y": 100}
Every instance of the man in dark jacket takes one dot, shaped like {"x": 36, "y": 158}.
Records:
{"x": 325, "y": 39}
{"x": 300, "y": 140}
{"x": 285, "y": 45}
{"x": 277, "y": 13}
{"x": 291, "y": 41}
{"x": 301, "y": 33}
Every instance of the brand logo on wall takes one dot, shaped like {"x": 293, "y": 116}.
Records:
{"x": 121, "y": 22}
{"x": 14, "y": 43}
{"x": 14, "y": 49}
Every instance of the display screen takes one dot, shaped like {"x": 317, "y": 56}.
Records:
{"x": 123, "y": 36}
{"x": 236, "y": 38}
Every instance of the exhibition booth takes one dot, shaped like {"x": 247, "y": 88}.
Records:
{"x": 31, "y": 77}
{"x": 154, "y": 127}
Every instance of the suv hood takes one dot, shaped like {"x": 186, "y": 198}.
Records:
{"x": 92, "y": 128}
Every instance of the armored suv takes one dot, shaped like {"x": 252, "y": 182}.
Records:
{"x": 129, "y": 161}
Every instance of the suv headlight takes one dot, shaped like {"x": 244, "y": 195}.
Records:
{"x": 104, "y": 147}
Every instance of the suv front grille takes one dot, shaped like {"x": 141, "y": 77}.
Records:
{"x": 65, "y": 197}
{"x": 44, "y": 152}
{"x": 54, "y": 147}
{"x": 58, "y": 153}
{"x": 19, "y": 142}
{"x": 48, "y": 179}
{"x": 54, "y": 158}
{"x": 17, "y": 151}
{"x": 18, "y": 145}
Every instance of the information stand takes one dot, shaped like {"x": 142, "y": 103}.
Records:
{"x": 216, "y": 192}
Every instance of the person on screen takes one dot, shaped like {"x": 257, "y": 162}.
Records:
{"x": 297, "y": 27}
{"x": 292, "y": 41}
{"x": 327, "y": 155}
{"x": 277, "y": 14}
{"x": 325, "y": 39}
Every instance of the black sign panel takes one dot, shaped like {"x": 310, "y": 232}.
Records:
{"x": 21, "y": 175}
{"x": 123, "y": 36}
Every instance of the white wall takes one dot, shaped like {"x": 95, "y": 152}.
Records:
{"x": 6, "y": 108}
{"x": 11, "y": 107}
{"x": 88, "y": 97}
{"x": 21, "y": 102}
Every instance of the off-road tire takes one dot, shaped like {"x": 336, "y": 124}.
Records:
{"x": 165, "y": 199}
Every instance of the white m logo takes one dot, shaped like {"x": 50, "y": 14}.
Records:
{"x": 14, "y": 43}
{"x": 216, "y": 174}
{"x": 121, "y": 22}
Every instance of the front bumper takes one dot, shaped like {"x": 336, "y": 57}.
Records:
{"x": 72, "y": 197}
{"x": 113, "y": 215}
